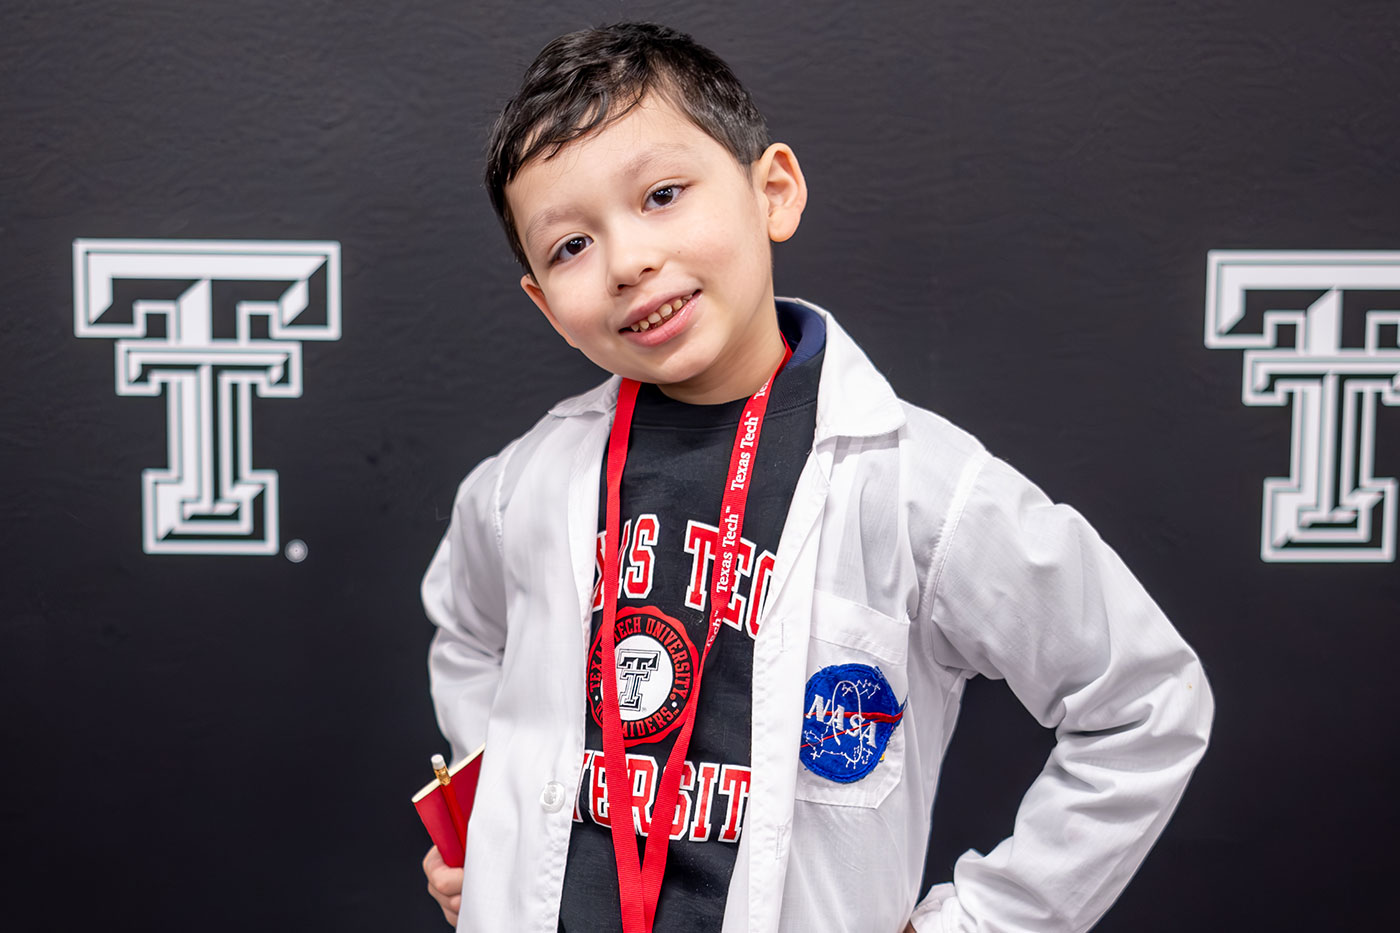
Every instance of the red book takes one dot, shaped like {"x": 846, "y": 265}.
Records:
{"x": 445, "y": 808}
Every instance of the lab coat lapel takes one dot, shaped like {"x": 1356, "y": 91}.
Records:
{"x": 779, "y": 665}
{"x": 584, "y": 472}
{"x": 853, "y": 400}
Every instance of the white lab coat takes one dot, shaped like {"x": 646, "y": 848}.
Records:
{"x": 908, "y": 547}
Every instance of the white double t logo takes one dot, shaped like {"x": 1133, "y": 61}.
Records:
{"x": 1321, "y": 332}
{"x": 209, "y": 324}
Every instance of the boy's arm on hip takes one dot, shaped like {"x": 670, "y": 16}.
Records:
{"x": 1031, "y": 594}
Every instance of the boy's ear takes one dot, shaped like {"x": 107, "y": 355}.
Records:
{"x": 778, "y": 177}
{"x": 527, "y": 282}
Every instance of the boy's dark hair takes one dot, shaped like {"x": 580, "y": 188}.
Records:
{"x": 585, "y": 80}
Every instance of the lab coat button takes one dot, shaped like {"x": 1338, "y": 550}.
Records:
{"x": 552, "y": 797}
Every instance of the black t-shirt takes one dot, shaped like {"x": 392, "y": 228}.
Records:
{"x": 677, "y": 462}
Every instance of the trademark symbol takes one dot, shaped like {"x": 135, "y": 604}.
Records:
{"x": 296, "y": 550}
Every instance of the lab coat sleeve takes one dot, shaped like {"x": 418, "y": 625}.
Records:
{"x": 1025, "y": 590}
{"x": 464, "y": 596}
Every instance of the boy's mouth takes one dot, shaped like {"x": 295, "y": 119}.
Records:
{"x": 661, "y": 314}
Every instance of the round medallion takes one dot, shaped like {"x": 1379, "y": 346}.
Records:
{"x": 655, "y": 673}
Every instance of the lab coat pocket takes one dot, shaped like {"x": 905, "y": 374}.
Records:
{"x": 852, "y": 745}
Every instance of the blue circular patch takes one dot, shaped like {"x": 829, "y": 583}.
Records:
{"x": 851, "y": 712}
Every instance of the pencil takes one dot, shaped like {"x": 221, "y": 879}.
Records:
{"x": 459, "y": 823}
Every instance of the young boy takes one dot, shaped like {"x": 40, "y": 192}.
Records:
{"x": 750, "y": 601}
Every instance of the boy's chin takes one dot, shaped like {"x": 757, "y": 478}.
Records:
{"x": 675, "y": 381}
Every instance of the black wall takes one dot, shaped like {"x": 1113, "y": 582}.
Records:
{"x": 1011, "y": 208}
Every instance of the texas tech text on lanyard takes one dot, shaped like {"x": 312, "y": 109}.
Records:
{"x": 639, "y": 883}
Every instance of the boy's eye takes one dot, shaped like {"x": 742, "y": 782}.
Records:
{"x": 664, "y": 195}
{"x": 571, "y": 247}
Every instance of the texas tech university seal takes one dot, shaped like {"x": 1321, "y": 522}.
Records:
{"x": 655, "y": 673}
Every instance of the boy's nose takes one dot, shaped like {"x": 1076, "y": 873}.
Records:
{"x": 626, "y": 275}
{"x": 633, "y": 260}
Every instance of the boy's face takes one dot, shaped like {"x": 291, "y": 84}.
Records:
{"x": 649, "y": 245}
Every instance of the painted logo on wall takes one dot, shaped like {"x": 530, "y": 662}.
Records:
{"x": 208, "y": 324}
{"x": 1320, "y": 333}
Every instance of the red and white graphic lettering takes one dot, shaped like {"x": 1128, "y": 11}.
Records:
{"x": 695, "y": 816}
{"x": 598, "y": 792}
{"x": 643, "y": 768}
{"x": 704, "y": 796}
{"x": 598, "y": 572}
{"x": 636, "y": 570}
{"x": 733, "y": 614}
{"x": 733, "y": 783}
{"x": 758, "y": 591}
{"x": 701, "y": 543}
{"x": 598, "y": 557}
{"x": 636, "y": 582}
{"x": 682, "y": 814}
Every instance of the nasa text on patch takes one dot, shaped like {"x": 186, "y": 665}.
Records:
{"x": 851, "y": 712}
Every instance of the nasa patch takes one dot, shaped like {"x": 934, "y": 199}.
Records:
{"x": 655, "y": 673}
{"x": 851, "y": 714}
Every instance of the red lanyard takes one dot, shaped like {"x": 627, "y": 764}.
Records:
{"x": 639, "y": 884}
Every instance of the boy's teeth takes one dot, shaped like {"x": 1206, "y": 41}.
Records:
{"x": 660, "y": 314}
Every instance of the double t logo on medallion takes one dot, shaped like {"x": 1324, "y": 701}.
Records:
{"x": 656, "y": 664}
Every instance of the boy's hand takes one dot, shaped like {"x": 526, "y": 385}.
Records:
{"x": 444, "y": 884}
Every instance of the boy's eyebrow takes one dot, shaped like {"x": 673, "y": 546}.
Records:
{"x": 630, "y": 168}
{"x": 546, "y": 218}
{"x": 643, "y": 160}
